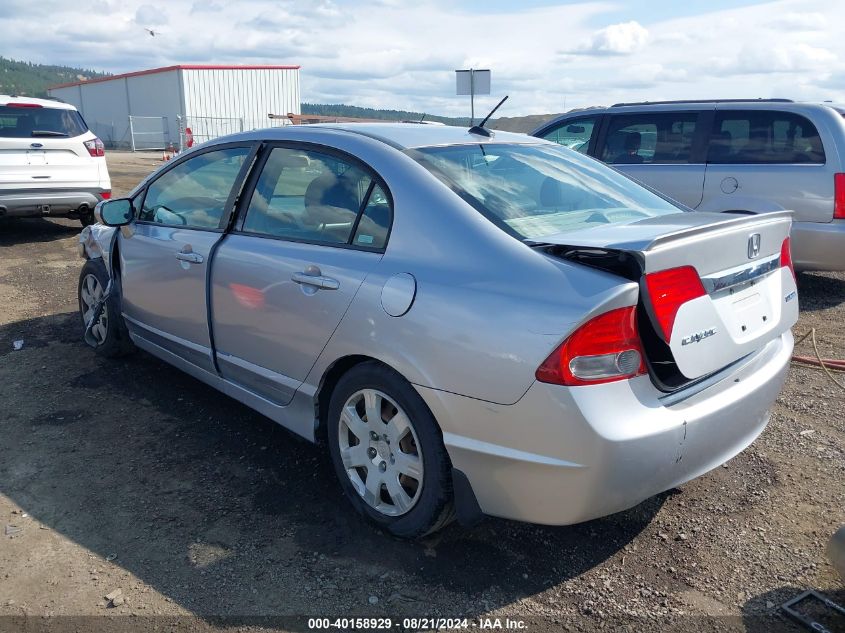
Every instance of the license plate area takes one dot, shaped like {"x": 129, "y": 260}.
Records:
{"x": 36, "y": 157}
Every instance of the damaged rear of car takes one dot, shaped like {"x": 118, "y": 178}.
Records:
{"x": 670, "y": 377}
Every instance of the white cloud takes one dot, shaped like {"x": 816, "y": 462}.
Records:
{"x": 617, "y": 39}
{"x": 148, "y": 15}
{"x": 396, "y": 54}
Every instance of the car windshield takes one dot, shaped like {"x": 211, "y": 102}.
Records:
{"x": 18, "y": 121}
{"x": 534, "y": 191}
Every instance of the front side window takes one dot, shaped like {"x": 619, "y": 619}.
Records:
{"x": 759, "y": 136}
{"x": 194, "y": 193}
{"x": 310, "y": 196}
{"x": 40, "y": 122}
{"x": 649, "y": 138}
{"x": 533, "y": 191}
{"x": 573, "y": 134}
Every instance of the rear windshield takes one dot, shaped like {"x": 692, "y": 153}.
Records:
{"x": 533, "y": 191}
{"x": 22, "y": 122}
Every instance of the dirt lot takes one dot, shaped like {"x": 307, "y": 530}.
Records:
{"x": 129, "y": 474}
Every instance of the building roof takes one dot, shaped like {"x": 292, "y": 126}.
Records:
{"x": 165, "y": 69}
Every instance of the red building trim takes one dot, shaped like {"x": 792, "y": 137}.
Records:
{"x": 165, "y": 69}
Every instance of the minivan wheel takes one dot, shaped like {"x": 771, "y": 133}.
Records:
{"x": 109, "y": 333}
{"x": 388, "y": 452}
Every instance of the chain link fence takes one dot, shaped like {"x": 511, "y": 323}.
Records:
{"x": 149, "y": 133}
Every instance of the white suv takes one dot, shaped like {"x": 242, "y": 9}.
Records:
{"x": 51, "y": 164}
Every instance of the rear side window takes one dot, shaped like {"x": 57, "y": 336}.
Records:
{"x": 309, "y": 196}
{"x": 650, "y": 138}
{"x": 38, "y": 122}
{"x": 758, "y": 136}
{"x": 573, "y": 134}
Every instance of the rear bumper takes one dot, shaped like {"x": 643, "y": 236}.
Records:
{"x": 47, "y": 202}
{"x": 819, "y": 245}
{"x": 562, "y": 456}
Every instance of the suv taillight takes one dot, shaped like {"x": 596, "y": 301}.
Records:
{"x": 786, "y": 256}
{"x": 668, "y": 290}
{"x": 95, "y": 147}
{"x": 606, "y": 348}
{"x": 839, "y": 196}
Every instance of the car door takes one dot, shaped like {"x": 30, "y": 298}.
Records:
{"x": 766, "y": 160}
{"x": 311, "y": 228}
{"x": 659, "y": 149}
{"x": 165, "y": 253}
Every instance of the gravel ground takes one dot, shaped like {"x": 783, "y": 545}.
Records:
{"x": 131, "y": 475}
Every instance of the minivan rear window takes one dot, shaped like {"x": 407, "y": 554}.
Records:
{"x": 35, "y": 122}
{"x": 760, "y": 136}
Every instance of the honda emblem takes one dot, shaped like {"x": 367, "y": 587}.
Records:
{"x": 753, "y": 245}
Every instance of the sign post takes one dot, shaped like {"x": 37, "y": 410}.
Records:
{"x": 472, "y": 82}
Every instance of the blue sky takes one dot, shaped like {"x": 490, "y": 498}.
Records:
{"x": 402, "y": 54}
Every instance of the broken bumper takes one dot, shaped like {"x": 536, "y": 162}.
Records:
{"x": 565, "y": 455}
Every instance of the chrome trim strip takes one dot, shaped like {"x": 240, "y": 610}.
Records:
{"x": 715, "y": 284}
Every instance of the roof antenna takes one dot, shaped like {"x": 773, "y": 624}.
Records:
{"x": 480, "y": 129}
{"x": 422, "y": 118}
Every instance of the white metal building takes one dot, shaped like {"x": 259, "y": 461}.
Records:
{"x": 151, "y": 109}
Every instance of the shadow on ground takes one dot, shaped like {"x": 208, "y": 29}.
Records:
{"x": 29, "y": 230}
{"x": 225, "y": 512}
{"x": 819, "y": 291}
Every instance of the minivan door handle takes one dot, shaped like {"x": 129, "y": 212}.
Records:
{"x": 316, "y": 281}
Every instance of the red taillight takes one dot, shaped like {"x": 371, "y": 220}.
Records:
{"x": 668, "y": 290}
{"x": 95, "y": 147}
{"x": 604, "y": 349}
{"x": 105, "y": 195}
{"x": 786, "y": 257}
{"x": 839, "y": 196}
{"x": 23, "y": 105}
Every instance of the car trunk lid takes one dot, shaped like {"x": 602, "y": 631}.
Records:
{"x": 713, "y": 287}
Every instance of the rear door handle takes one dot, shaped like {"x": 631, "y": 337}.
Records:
{"x": 317, "y": 281}
{"x": 194, "y": 258}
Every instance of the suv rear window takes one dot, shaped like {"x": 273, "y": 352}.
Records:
{"x": 758, "y": 136}
{"x": 29, "y": 122}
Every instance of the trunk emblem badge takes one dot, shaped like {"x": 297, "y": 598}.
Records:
{"x": 36, "y": 145}
{"x": 698, "y": 336}
{"x": 753, "y": 245}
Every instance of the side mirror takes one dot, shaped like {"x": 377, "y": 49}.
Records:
{"x": 117, "y": 212}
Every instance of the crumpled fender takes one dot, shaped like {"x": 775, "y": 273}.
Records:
{"x": 95, "y": 242}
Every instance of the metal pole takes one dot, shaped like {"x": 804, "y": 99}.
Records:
{"x": 131, "y": 134}
{"x": 472, "y": 96}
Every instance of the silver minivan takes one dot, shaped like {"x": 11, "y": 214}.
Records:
{"x": 736, "y": 156}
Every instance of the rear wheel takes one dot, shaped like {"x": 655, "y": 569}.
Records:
{"x": 388, "y": 452}
{"x": 109, "y": 336}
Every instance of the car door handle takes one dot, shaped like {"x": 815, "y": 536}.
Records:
{"x": 317, "y": 281}
{"x": 194, "y": 258}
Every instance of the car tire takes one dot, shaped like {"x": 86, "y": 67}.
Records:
{"x": 111, "y": 335}
{"x": 86, "y": 217}
{"x": 431, "y": 498}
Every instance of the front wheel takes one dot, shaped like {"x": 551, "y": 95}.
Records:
{"x": 109, "y": 335}
{"x": 388, "y": 452}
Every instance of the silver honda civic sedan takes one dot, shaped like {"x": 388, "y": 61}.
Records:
{"x": 471, "y": 323}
